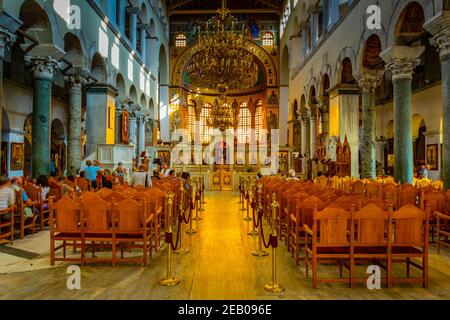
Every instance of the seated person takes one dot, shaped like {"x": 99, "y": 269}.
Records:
{"x": 42, "y": 181}
{"x": 7, "y": 194}
{"x": 16, "y": 184}
{"x": 65, "y": 188}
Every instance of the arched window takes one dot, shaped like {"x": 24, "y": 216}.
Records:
{"x": 268, "y": 39}
{"x": 180, "y": 40}
{"x": 245, "y": 124}
{"x": 191, "y": 122}
{"x": 204, "y": 129}
{"x": 258, "y": 122}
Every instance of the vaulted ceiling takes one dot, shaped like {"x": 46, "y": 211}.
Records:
{"x": 199, "y": 7}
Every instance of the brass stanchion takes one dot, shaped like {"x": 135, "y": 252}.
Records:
{"x": 203, "y": 193}
{"x": 254, "y": 232}
{"x": 244, "y": 187}
{"x": 202, "y": 197}
{"x": 274, "y": 286}
{"x": 247, "y": 199}
{"x": 260, "y": 252}
{"x": 191, "y": 230}
{"x": 197, "y": 217}
{"x": 169, "y": 280}
{"x": 240, "y": 189}
{"x": 181, "y": 251}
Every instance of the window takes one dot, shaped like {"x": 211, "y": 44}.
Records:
{"x": 268, "y": 39}
{"x": 245, "y": 124}
{"x": 191, "y": 122}
{"x": 204, "y": 129}
{"x": 258, "y": 122}
{"x": 180, "y": 40}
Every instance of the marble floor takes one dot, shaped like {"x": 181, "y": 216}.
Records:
{"x": 219, "y": 266}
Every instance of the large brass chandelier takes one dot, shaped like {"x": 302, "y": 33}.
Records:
{"x": 222, "y": 116}
{"x": 220, "y": 61}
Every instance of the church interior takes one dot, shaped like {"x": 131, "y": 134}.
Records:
{"x": 225, "y": 150}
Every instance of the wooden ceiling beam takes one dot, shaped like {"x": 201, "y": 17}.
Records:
{"x": 233, "y": 11}
{"x": 179, "y": 4}
{"x": 270, "y": 4}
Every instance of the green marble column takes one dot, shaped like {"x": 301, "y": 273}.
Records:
{"x": 76, "y": 83}
{"x": 442, "y": 41}
{"x": 42, "y": 70}
{"x": 305, "y": 122}
{"x": 368, "y": 82}
{"x": 402, "y": 71}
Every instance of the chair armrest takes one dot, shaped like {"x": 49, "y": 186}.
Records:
{"x": 307, "y": 230}
{"x": 442, "y": 216}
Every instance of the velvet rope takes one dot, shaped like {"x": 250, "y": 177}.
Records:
{"x": 268, "y": 243}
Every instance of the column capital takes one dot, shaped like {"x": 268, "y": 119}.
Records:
{"x": 442, "y": 42}
{"x": 370, "y": 80}
{"x": 6, "y": 41}
{"x": 133, "y": 10}
{"x": 402, "y": 60}
{"x": 304, "y": 116}
{"x": 76, "y": 80}
{"x": 42, "y": 67}
{"x": 439, "y": 28}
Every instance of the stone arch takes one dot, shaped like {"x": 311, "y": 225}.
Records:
{"x": 400, "y": 9}
{"x": 36, "y": 22}
{"x": 6, "y": 125}
{"x": 143, "y": 15}
{"x": 346, "y": 53}
{"x": 312, "y": 95}
{"x": 295, "y": 110}
{"x": 152, "y": 28}
{"x": 151, "y": 108}
{"x": 370, "y": 55}
{"x": 143, "y": 102}
{"x": 346, "y": 74}
{"x": 409, "y": 24}
{"x": 419, "y": 127}
{"x": 133, "y": 94}
{"x": 163, "y": 66}
{"x": 284, "y": 66}
{"x": 99, "y": 68}
{"x": 74, "y": 51}
{"x": 296, "y": 27}
{"x": 120, "y": 85}
{"x": 368, "y": 34}
{"x": 324, "y": 85}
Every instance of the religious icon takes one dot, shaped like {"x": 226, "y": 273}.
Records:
{"x": 432, "y": 156}
{"x": 16, "y": 156}
{"x": 125, "y": 129}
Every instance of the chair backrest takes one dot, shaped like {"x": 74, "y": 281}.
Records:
{"x": 104, "y": 192}
{"x": 359, "y": 187}
{"x": 306, "y": 209}
{"x": 435, "y": 200}
{"x": 150, "y": 201}
{"x": 334, "y": 225}
{"x": 96, "y": 216}
{"x": 379, "y": 202}
{"x": 323, "y": 181}
{"x": 407, "y": 194}
{"x": 408, "y": 223}
{"x": 128, "y": 192}
{"x": 32, "y": 191}
{"x": 114, "y": 197}
{"x": 64, "y": 215}
{"x": 390, "y": 193}
{"x": 131, "y": 216}
{"x": 373, "y": 189}
{"x": 447, "y": 202}
{"x": 372, "y": 226}
{"x": 83, "y": 184}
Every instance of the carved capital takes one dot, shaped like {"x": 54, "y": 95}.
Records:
{"x": 442, "y": 42}
{"x": 76, "y": 81}
{"x": 402, "y": 68}
{"x": 6, "y": 41}
{"x": 42, "y": 68}
{"x": 370, "y": 80}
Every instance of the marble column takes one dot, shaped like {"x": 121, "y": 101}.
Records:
{"x": 143, "y": 41}
{"x": 325, "y": 107}
{"x": 401, "y": 62}
{"x": 369, "y": 82}
{"x": 7, "y": 38}
{"x": 76, "y": 83}
{"x": 118, "y": 123}
{"x": 122, "y": 15}
{"x": 304, "y": 120}
{"x": 42, "y": 70}
{"x": 133, "y": 128}
{"x": 133, "y": 11}
{"x": 313, "y": 131}
{"x": 439, "y": 26}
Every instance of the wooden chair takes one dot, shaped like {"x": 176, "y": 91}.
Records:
{"x": 102, "y": 193}
{"x": 128, "y": 192}
{"x": 436, "y": 201}
{"x": 294, "y": 201}
{"x": 114, "y": 197}
{"x": 83, "y": 184}
{"x": 35, "y": 194}
{"x": 26, "y": 223}
{"x": 331, "y": 243}
{"x": 373, "y": 189}
{"x": 7, "y": 222}
{"x": 410, "y": 240}
{"x": 304, "y": 216}
{"x": 442, "y": 231}
{"x": 98, "y": 223}
{"x": 389, "y": 194}
{"x": 407, "y": 194}
{"x": 64, "y": 226}
{"x": 323, "y": 181}
{"x": 379, "y": 202}
{"x": 359, "y": 187}
{"x": 132, "y": 227}
{"x": 371, "y": 240}
{"x": 155, "y": 228}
